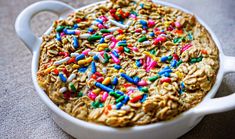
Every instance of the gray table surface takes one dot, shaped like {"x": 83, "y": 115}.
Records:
{"x": 22, "y": 113}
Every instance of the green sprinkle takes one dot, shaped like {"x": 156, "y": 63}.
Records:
{"x": 154, "y": 78}
{"x": 169, "y": 58}
{"x": 80, "y": 94}
{"x": 177, "y": 40}
{"x": 101, "y": 105}
{"x": 126, "y": 49}
{"x": 60, "y": 28}
{"x": 107, "y": 50}
{"x": 120, "y": 99}
{"x": 94, "y": 37}
{"x": 142, "y": 39}
{"x": 114, "y": 94}
{"x": 71, "y": 85}
{"x": 122, "y": 44}
{"x": 144, "y": 89}
{"x": 199, "y": 59}
{"x": 193, "y": 60}
{"x": 95, "y": 104}
{"x": 104, "y": 31}
{"x": 179, "y": 62}
{"x": 153, "y": 51}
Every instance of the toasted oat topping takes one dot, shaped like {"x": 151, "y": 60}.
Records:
{"x": 125, "y": 63}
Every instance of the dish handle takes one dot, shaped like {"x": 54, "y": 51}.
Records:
{"x": 22, "y": 24}
{"x": 222, "y": 104}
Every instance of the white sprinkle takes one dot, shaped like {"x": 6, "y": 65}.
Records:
{"x": 113, "y": 29}
{"x": 104, "y": 70}
{"x": 129, "y": 22}
{"x": 61, "y": 61}
{"x": 101, "y": 58}
{"x": 74, "y": 54}
{"x": 118, "y": 24}
{"x": 144, "y": 32}
{"x": 71, "y": 77}
{"x": 126, "y": 107}
{"x": 84, "y": 36}
{"x": 95, "y": 22}
{"x": 89, "y": 75}
{"x": 146, "y": 43}
{"x": 92, "y": 53}
{"x": 63, "y": 89}
{"x": 114, "y": 107}
{"x": 108, "y": 36}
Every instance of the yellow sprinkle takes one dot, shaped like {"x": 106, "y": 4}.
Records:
{"x": 134, "y": 66}
{"x": 179, "y": 74}
{"x": 165, "y": 84}
{"x": 82, "y": 62}
{"x": 123, "y": 89}
{"x": 121, "y": 70}
{"x": 166, "y": 23}
{"x": 120, "y": 37}
{"x": 88, "y": 60}
{"x": 49, "y": 69}
{"x": 75, "y": 66}
{"x": 152, "y": 56}
{"x": 107, "y": 81}
{"x": 102, "y": 46}
{"x": 96, "y": 91}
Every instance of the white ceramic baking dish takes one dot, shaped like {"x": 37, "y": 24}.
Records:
{"x": 86, "y": 130}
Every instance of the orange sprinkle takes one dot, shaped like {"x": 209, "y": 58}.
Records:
{"x": 204, "y": 52}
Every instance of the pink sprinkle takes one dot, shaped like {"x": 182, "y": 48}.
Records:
{"x": 184, "y": 48}
{"x": 141, "y": 61}
{"x": 77, "y": 32}
{"x": 100, "y": 26}
{"x": 104, "y": 18}
{"x": 135, "y": 49}
{"x": 92, "y": 95}
{"x": 104, "y": 96}
{"x": 177, "y": 24}
{"x": 105, "y": 34}
{"x": 133, "y": 16}
{"x": 85, "y": 52}
{"x": 113, "y": 44}
{"x": 130, "y": 92}
{"x": 62, "y": 34}
{"x": 151, "y": 23}
{"x": 148, "y": 60}
{"x": 102, "y": 53}
{"x": 142, "y": 83}
{"x": 116, "y": 60}
{"x": 152, "y": 64}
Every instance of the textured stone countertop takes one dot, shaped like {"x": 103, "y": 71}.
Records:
{"x": 22, "y": 113}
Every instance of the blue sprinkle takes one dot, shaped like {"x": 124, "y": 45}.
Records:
{"x": 90, "y": 30}
{"x": 138, "y": 64}
{"x": 143, "y": 23}
{"x": 69, "y": 32}
{"x": 151, "y": 34}
{"x": 164, "y": 58}
{"x": 79, "y": 57}
{"x": 128, "y": 78}
{"x": 75, "y": 26}
{"x": 119, "y": 92}
{"x": 118, "y": 67}
{"x": 173, "y": 63}
{"x": 58, "y": 38}
{"x": 102, "y": 40}
{"x": 125, "y": 100}
{"x": 99, "y": 20}
{"x": 123, "y": 41}
{"x": 119, "y": 105}
{"x": 167, "y": 74}
{"x": 115, "y": 53}
{"x": 75, "y": 42}
{"x": 95, "y": 57}
{"x": 82, "y": 69}
{"x": 62, "y": 77}
{"x": 103, "y": 87}
{"x": 115, "y": 81}
{"x": 93, "y": 67}
{"x": 182, "y": 85}
{"x": 141, "y": 5}
{"x": 165, "y": 70}
{"x": 144, "y": 97}
{"x": 136, "y": 79}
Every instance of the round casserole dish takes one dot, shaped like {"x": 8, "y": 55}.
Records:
{"x": 82, "y": 129}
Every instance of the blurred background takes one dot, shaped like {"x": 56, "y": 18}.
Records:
{"x": 22, "y": 113}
